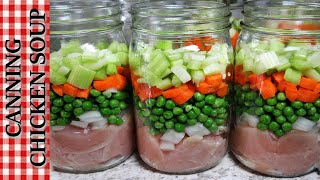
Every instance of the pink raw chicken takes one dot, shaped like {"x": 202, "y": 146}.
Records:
{"x": 190, "y": 154}
{"x": 293, "y": 154}
{"x": 72, "y": 149}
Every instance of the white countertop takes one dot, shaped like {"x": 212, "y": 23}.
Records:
{"x": 135, "y": 169}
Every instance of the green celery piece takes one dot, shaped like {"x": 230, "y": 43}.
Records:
{"x": 89, "y": 56}
{"x": 173, "y": 55}
{"x": 164, "y": 84}
{"x": 135, "y": 60}
{"x": 240, "y": 57}
{"x": 259, "y": 68}
{"x": 123, "y": 58}
{"x": 122, "y": 47}
{"x": 292, "y": 76}
{"x": 100, "y": 74}
{"x": 81, "y": 77}
{"x": 166, "y": 73}
{"x": 57, "y": 79}
{"x": 151, "y": 78}
{"x": 248, "y": 64}
{"x": 317, "y": 69}
{"x": 71, "y": 47}
{"x": 283, "y": 67}
{"x": 313, "y": 74}
{"x": 314, "y": 59}
{"x": 300, "y": 55}
{"x": 300, "y": 65}
{"x": 194, "y": 65}
{"x": 72, "y": 60}
{"x": 159, "y": 65}
{"x": 197, "y": 76}
{"x": 176, "y": 81}
{"x": 114, "y": 47}
{"x": 112, "y": 59}
{"x": 55, "y": 62}
{"x": 163, "y": 44}
{"x": 155, "y": 53}
{"x": 102, "y": 45}
{"x": 276, "y": 45}
{"x": 111, "y": 69}
{"x": 63, "y": 70}
{"x": 297, "y": 43}
{"x": 178, "y": 62}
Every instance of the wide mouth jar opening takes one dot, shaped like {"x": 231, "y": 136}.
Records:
{"x": 81, "y": 16}
{"x": 289, "y": 17}
{"x": 180, "y": 17}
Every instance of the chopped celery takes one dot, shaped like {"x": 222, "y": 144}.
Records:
{"x": 154, "y": 54}
{"x": 135, "y": 60}
{"x": 314, "y": 59}
{"x": 197, "y": 76}
{"x": 122, "y": 47}
{"x": 173, "y": 55}
{"x": 141, "y": 80}
{"x": 111, "y": 69}
{"x": 178, "y": 62}
{"x": 151, "y": 78}
{"x": 55, "y": 64}
{"x": 114, "y": 47}
{"x": 164, "y": 44}
{"x": 283, "y": 67}
{"x": 70, "y": 47}
{"x": 166, "y": 73}
{"x": 197, "y": 57}
{"x": 57, "y": 79}
{"x": 89, "y": 56}
{"x": 269, "y": 59}
{"x": 123, "y": 58}
{"x": 194, "y": 65}
{"x": 240, "y": 57}
{"x": 63, "y": 70}
{"x": 176, "y": 81}
{"x": 112, "y": 59}
{"x": 72, "y": 60}
{"x": 181, "y": 73}
{"x": 259, "y": 68}
{"x": 276, "y": 45}
{"x": 300, "y": 55}
{"x": 297, "y": 43}
{"x": 214, "y": 69}
{"x": 81, "y": 77}
{"x": 100, "y": 74}
{"x": 317, "y": 69}
{"x": 300, "y": 65}
{"x": 164, "y": 84}
{"x": 96, "y": 65}
{"x": 158, "y": 67}
{"x": 102, "y": 45}
{"x": 313, "y": 74}
{"x": 248, "y": 64}
{"x": 292, "y": 76}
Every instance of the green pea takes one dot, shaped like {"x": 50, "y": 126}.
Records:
{"x": 259, "y": 101}
{"x": 100, "y": 99}
{"x": 248, "y": 103}
{"x": 114, "y": 103}
{"x": 157, "y": 111}
{"x": 182, "y": 118}
{"x": 116, "y": 111}
{"x": 158, "y": 125}
{"x": 206, "y": 109}
{"x": 191, "y": 114}
{"x": 317, "y": 103}
{"x": 154, "y": 131}
{"x": 147, "y": 122}
{"x": 250, "y": 111}
{"x": 179, "y": 127}
{"x": 112, "y": 119}
{"x": 221, "y": 110}
{"x": 58, "y": 102}
{"x": 191, "y": 122}
{"x": 208, "y": 123}
{"x": 259, "y": 111}
{"x": 262, "y": 126}
{"x": 279, "y": 133}
{"x": 105, "y": 111}
{"x": 62, "y": 121}
{"x": 277, "y": 112}
{"x": 210, "y": 99}
{"x": 246, "y": 87}
{"x": 95, "y": 93}
{"x": 214, "y": 112}
{"x": 218, "y": 102}
{"x": 183, "y": 106}
{"x": 312, "y": 111}
{"x": 265, "y": 119}
{"x": 213, "y": 127}
{"x": 53, "y": 95}
{"x": 163, "y": 130}
{"x": 308, "y": 106}
{"x": 288, "y": 111}
{"x": 87, "y": 105}
{"x": 123, "y": 105}
{"x": 53, "y": 122}
{"x": 78, "y": 111}
{"x": 293, "y": 118}
{"x": 268, "y": 108}
{"x": 95, "y": 107}
{"x": 168, "y": 114}
{"x": 170, "y": 104}
{"x": 220, "y": 122}
{"x": 146, "y": 112}
{"x": 272, "y": 101}
{"x": 104, "y": 104}
{"x": 77, "y": 103}
{"x": 119, "y": 121}
{"x": 222, "y": 116}
{"x": 161, "y": 101}
{"x": 188, "y": 108}
{"x": 154, "y": 118}
{"x": 68, "y": 98}
{"x": 177, "y": 111}
{"x": 281, "y": 119}
{"x": 200, "y": 104}
{"x": 53, "y": 116}
{"x": 68, "y": 107}
{"x": 301, "y": 112}
{"x": 198, "y": 96}
{"x": 273, "y": 126}
{"x": 197, "y": 111}
{"x": 315, "y": 117}
{"x": 120, "y": 95}
{"x": 141, "y": 105}
{"x": 169, "y": 124}
{"x": 150, "y": 102}
{"x": 162, "y": 119}
{"x": 251, "y": 95}
{"x": 65, "y": 114}
{"x": 281, "y": 96}
{"x": 106, "y": 94}
{"x": 281, "y": 105}
{"x": 202, "y": 117}
{"x": 286, "y": 127}
{"x": 297, "y": 104}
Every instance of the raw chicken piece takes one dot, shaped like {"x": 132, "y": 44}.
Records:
{"x": 293, "y": 154}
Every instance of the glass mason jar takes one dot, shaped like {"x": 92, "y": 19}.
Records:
{"x": 91, "y": 120}
{"x": 236, "y": 7}
{"x": 180, "y": 56}
{"x": 277, "y": 77}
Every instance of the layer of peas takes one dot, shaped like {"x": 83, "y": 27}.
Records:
{"x": 161, "y": 114}
{"x": 277, "y": 113}
{"x": 66, "y": 108}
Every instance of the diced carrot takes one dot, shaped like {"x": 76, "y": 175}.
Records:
{"x": 282, "y": 86}
{"x": 120, "y": 70}
{"x": 198, "y": 42}
{"x": 143, "y": 91}
{"x": 205, "y": 88}
{"x": 70, "y": 90}
{"x": 223, "y": 90}
{"x": 317, "y": 89}
{"x": 278, "y": 77}
{"x": 175, "y": 91}
{"x": 116, "y": 81}
{"x": 256, "y": 78}
{"x": 214, "y": 80}
{"x": 191, "y": 86}
{"x": 234, "y": 39}
{"x": 290, "y": 86}
{"x": 124, "y": 71}
{"x": 238, "y": 70}
{"x": 291, "y": 94}
{"x": 155, "y": 92}
{"x": 184, "y": 97}
{"x": 268, "y": 89}
{"x": 83, "y": 93}
{"x": 58, "y": 89}
{"x": 306, "y": 95}
{"x": 241, "y": 79}
{"x": 253, "y": 87}
{"x": 207, "y": 48}
{"x": 309, "y": 26}
{"x": 308, "y": 83}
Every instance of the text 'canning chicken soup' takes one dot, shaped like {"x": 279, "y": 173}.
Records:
{"x": 180, "y": 59}
{"x": 91, "y": 120}
{"x": 277, "y": 86}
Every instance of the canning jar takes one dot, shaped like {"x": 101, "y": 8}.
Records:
{"x": 180, "y": 56}
{"x": 236, "y": 7}
{"x": 91, "y": 119}
{"x": 277, "y": 77}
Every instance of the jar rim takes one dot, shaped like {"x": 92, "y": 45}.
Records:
{"x": 82, "y": 4}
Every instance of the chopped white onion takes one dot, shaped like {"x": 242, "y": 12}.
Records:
{"x": 99, "y": 124}
{"x": 79, "y": 124}
{"x": 88, "y": 47}
{"x": 194, "y": 48}
{"x": 112, "y": 90}
{"x": 303, "y": 124}
{"x": 251, "y": 120}
{"x": 167, "y": 146}
{"x": 173, "y": 136}
{"x": 57, "y": 128}
{"x": 291, "y": 48}
{"x": 197, "y": 130}
{"x": 90, "y": 115}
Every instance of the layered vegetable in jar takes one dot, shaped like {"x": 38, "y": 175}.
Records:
{"x": 91, "y": 119}
{"x": 181, "y": 73}
{"x": 277, "y": 86}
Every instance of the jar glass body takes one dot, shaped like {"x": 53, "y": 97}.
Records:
{"x": 91, "y": 120}
{"x": 181, "y": 96}
{"x": 277, "y": 105}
